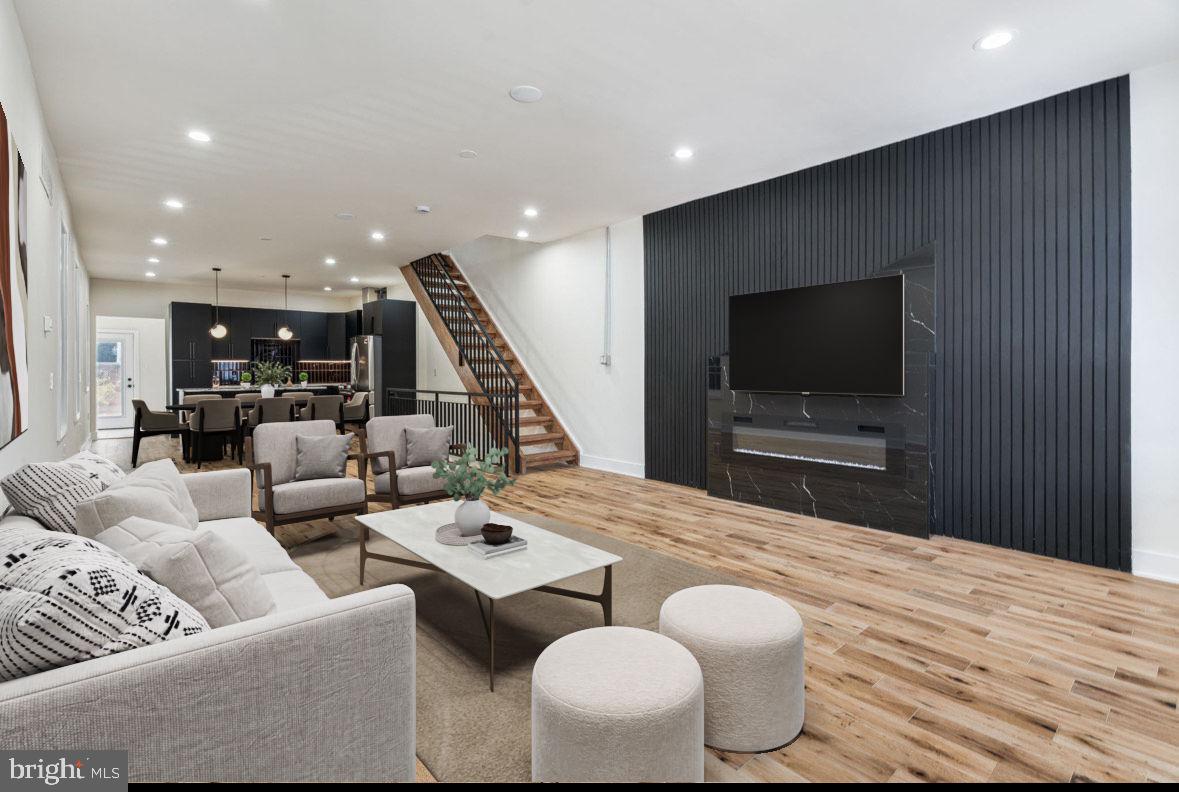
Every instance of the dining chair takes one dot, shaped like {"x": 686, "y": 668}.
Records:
{"x": 325, "y": 408}
{"x": 149, "y": 423}
{"x": 216, "y": 417}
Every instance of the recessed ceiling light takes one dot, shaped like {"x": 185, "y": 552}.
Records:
{"x": 199, "y": 135}
{"x": 265, "y": 239}
{"x": 327, "y": 288}
{"x": 422, "y": 209}
{"x": 153, "y": 260}
{"x": 684, "y": 153}
{"x": 531, "y": 212}
{"x": 377, "y": 236}
{"x": 149, "y": 274}
{"x": 468, "y": 153}
{"x": 526, "y": 94}
{"x": 160, "y": 241}
{"x": 521, "y": 234}
{"x": 331, "y": 262}
{"x": 344, "y": 215}
{"x": 995, "y": 40}
{"x": 174, "y": 203}
{"x": 354, "y": 279}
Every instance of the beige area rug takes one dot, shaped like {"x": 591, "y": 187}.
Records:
{"x": 465, "y": 732}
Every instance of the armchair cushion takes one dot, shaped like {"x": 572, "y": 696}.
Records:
{"x": 274, "y": 443}
{"x": 410, "y": 481}
{"x": 202, "y": 568}
{"x": 321, "y": 457}
{"x": 298, "y": 496}
{"x": 423, "y": 446}
{"x": 387, "y": 433}
{"x": 154, "y": 491}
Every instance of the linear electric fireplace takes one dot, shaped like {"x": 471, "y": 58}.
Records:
{"x": 835, "y": 443}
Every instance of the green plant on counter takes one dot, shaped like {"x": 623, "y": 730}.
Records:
{"x": 271, "y": 372}
{"x": 304, "y": 376}
{"x": 466, "y": 477}
{"x": 246, "y": 378}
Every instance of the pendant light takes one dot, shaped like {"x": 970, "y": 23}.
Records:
{"x": 218, "y": 330}
{"x": 285, "y": 332}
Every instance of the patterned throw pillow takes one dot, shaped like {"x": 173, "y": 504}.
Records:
{"x": 50, "y": 492}
{"x": 64, "y": 599}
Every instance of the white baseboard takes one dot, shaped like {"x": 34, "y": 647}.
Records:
{"x": 1158, "y": 566}
{"x": 635, "y": 469}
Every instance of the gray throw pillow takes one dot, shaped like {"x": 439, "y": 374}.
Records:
{"x": 154, "y": 491}
{"x": 321, "y": 456}
{"x": 425, "y": 446}
{"x": 200, "y": 567}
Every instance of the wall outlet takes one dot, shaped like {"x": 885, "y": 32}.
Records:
{"x": 604, "y": 360}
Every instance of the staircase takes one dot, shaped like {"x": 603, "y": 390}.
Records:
{"x": 487, "y": 365}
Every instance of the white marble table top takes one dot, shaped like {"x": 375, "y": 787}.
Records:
{"x": 548, "y": 558}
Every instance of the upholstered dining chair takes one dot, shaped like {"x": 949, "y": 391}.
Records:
{"x": 149, "y": 423}
{"x": 212, "y": 418}
{"x": 356, "y": 411}
{"x": 193, "y": 398}
{"x": 302, "y": 399}
{"x": 325, "y": 408}
{"x": 274, "y": 409}
{"x": 281, "y": 498}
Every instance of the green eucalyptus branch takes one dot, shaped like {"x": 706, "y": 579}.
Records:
{"x": 466, "y": 477}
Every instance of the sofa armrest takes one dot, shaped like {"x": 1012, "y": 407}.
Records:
{"x": 220, "y": 494}
{"x": 320, "y": 693}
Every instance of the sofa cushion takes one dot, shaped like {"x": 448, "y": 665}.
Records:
{"x": 292, "y": 589}
{"x": 202, "y": 568}
{"x": 300, "y": 496}
{"x": 274, "y": 443}
{"x": 387, "y": 433}
{"x": 50, "y": 491}
{"x": 322, "y": 457}
{"x": 154, "y": 491}
{"x": 410, "y": 481}
{"x": 252, "y": 538}
{"x": 65, "y": 598}
{"x": 425, "y": 446}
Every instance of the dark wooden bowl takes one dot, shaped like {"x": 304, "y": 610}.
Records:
{"x": 496, "y": 534}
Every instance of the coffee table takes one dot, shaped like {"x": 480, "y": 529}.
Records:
{"x": 548, "y": 558}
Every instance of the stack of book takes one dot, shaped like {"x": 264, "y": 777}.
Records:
{"x": 484, "y": 550}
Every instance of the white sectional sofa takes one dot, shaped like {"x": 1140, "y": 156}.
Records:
{"x": 321, "y": 690}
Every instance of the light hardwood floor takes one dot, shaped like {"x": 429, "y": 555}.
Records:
{"x": 936, "y": 660}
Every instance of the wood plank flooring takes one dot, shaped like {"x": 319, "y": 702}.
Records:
{"x": 927, "y": 660}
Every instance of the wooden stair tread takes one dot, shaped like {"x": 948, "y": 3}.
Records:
{"x": 535, "y": 420}
{"x": 548, "y": 457}
{"x": 537, "y": 439}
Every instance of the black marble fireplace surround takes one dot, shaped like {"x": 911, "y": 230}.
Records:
{"x": 863, "y": 460}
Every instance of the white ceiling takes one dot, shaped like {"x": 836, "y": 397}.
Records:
{"x": 325, "y": 106}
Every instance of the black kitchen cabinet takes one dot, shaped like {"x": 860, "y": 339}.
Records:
{"x": 190, "y": 374}
{"x": 223, "y": 347}
{"x": 313, "y": 335}
{"x": 352, "y": 325}
{"x": 190, "y": 331}
{"x": 337, "y": 336}
{"x": 264, "y": 323}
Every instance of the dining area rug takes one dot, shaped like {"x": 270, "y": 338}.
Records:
{"x": 465, "y": 732}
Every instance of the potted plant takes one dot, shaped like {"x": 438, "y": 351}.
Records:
{"x": 269, "y": 374}
{"x": 246, "y": 378}
{"x": 466, "y": 478}
{"x": 303, "y": 377}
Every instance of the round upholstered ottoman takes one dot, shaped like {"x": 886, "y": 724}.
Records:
{"x": 749, "y": 646}
{"x": 617, "y": 704}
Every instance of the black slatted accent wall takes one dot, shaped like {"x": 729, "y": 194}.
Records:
{"x": 1030, "y": 211}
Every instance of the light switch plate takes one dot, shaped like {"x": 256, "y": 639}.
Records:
{"x": 48, "y": 323}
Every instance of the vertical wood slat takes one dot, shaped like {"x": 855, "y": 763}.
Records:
{"x": 1030, "y": 399}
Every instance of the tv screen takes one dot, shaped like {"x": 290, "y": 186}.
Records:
{"x": 842, "y": 338}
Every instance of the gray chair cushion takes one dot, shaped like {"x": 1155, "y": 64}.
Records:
{"x": 425, "y": 446}
{"x": 279, "y": 409}
{"x": 387, "y": 433}
{"x": 275, "y": 443}
{"x": 299, "y": 496}
{"x": 215, "y": 415}
{"x": 410, "y": 481}
{"x": 321, "y": 457}
{"x": 154, "y": 421}
{"x": 323, "y": 408}
{"x": 356, "y": 409}
{"x": 202, "y": 568}
{"x": 155, "y": 491}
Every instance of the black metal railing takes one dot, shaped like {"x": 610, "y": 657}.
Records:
{"x": 500, "y": 387}
{"x": 473, "y": 417}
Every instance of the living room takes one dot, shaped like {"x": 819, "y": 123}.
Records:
{"x": 592, "y": 391}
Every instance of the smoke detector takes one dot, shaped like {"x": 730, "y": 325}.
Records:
{"x": 422, "y": 209}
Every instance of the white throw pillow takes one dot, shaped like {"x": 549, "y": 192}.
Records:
{"x": 64, "y": 599}
{"x": 154, "y": 491}
{"x": 202, "y": 568}
{"x": 50, "y": 492}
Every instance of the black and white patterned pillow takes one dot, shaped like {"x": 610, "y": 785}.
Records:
{"x": 64, "y": 599}
{"x": 50, "y": 492}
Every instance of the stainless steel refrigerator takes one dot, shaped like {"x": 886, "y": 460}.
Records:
{"x": 366, "y": 365}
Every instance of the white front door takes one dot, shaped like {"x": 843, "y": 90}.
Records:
{"x": 114, "y": 374}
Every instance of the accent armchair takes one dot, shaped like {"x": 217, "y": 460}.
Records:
{"x": 149, "y": 423}
{"x": 283, "y": 500}
{"x": 384, "y": 449}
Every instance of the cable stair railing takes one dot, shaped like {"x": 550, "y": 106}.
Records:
{"x": 497, "y": 381}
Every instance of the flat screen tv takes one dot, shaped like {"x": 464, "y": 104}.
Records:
{"x": 842, "y": 338}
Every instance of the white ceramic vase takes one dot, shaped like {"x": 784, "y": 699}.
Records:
{"x": 267, "y": 391}
{"x": 471, "y": 516}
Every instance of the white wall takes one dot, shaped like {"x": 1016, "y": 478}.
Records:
{"x": 1154, "y": 331}
{"x": 151, "y": 355}
{"x": 18, "y": 94}
{"x": 549, "y": 302}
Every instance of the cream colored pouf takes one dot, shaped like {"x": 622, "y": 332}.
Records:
{"x": 749, "y": 646}
{"x": 617, "y": 704}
